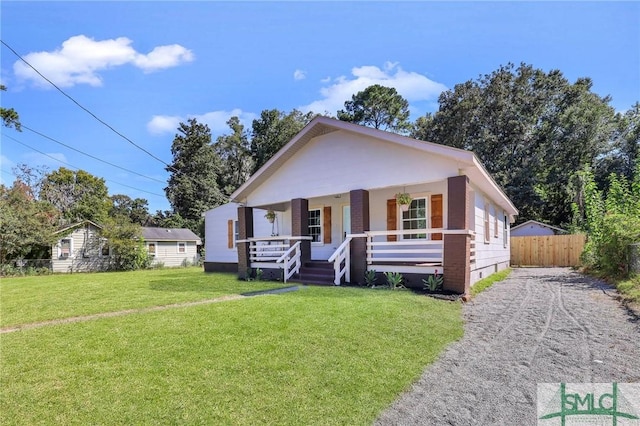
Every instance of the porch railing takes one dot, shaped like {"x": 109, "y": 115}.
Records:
{"x": 280, "y": 252}
{"x": 341, "y": 259}
{"x": 290, "y": 261}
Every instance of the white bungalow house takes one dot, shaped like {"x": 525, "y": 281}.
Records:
{"x": 333, "y": 188}
{"x": 171, "y": 246}
{"x": 80, "y": 249}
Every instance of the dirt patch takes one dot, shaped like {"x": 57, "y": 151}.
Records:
{"x": 543, "y": 325}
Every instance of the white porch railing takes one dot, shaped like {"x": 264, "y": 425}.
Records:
{"x": 341, "y": 259}
{"x": 414, "y": 249}
{"x": 279, "y": 252}
{"x": 290, "y": 261}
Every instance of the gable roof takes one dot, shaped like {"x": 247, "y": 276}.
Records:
{"x": 77, "y": 225}
{"x": 535, "y": 222}
{"x": 169, "y": 234}
{"x": 469, "y": 163}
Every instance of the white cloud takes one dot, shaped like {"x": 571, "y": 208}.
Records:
{"x": 80, "y": 59}
{"x": 216, "y": 120}
{"x": 299, "y": 75}
{"x": 412, "y": 86}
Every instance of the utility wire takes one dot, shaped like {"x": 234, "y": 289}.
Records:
{"x": 85, "y": 109}
{"x": 77, "y": 168}
{"x": 88, "y": 155}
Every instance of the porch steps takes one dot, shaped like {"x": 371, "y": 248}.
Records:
{"x": 315, "y": 272}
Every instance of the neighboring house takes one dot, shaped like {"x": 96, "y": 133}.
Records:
{"x": 80, "y": 249}
{"x": 172, "y": 246}
{"x": 532, "y": 228}
{"x": 333, "y": 189}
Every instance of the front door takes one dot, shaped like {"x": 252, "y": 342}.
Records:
{"x": 346, "y": 221}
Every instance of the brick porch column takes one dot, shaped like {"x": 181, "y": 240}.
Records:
{"x": 359, "y": 200}
{"x": 457, "y": 248}
{"x": 245, "y": 230}
{"x": 300, "y": 226}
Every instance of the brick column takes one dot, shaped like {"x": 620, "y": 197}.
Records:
{"x": 300, "y": 226}
{"x": 359, "y": 200}
{"x": 457, "y": 248}
{"x": 245, "y": 230}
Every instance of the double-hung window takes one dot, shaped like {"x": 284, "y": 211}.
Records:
{"x": 65, "y": 248}
{"x": 415, "y": 218}
{"x": 315, "y": 225}
{"x": 151, "y": 247}
{"x": 182, "y": 247}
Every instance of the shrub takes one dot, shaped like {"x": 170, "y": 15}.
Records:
{"x": 612, "y": 250}
{"x": 394, "y": 279}
{"x": 370, "y": 278}
{"x": 433, "y": 282}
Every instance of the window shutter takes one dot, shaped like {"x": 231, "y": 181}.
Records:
{"x": 230, "y": 234}
{"x": 392, "y": 218}
{"x": 326, "y": 225}
{"x": 436, "y": 215}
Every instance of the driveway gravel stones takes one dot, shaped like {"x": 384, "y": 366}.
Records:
{"x": 540, "y": 325}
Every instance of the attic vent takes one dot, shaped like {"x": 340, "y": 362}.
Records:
{"x": 168, "y": 230}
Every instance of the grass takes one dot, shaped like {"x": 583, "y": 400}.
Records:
{"x": 39, "y": 298}
{"x": 320, "y": 355}
{"x": 630, "y": 289}
{"x": 487, "y": 282}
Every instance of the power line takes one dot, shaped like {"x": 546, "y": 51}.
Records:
{"x": 78, "y": 168}
{"x": 83, "y": 108}
{"x": 88, "y": 155}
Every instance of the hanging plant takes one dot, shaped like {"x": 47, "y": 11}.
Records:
{"x": 404, "y": 200}
{"x": 271, "y": 215}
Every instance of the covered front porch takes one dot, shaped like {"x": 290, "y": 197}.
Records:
{"x": 365, "y": 230}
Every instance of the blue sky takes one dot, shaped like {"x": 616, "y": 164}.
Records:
{"x": 142, "y": 67}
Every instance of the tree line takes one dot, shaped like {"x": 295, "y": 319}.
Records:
{"x": 534, "y": 131}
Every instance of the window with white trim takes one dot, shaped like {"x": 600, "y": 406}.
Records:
{"x": 315, "y": 225}
{"x": 65, "y": 248}
{"x": 151, "y": 249}
{"x": 236, "y": 232}
{"x": 415, "y": 218}
{"x": 496, "y": 230}
{"x": 182, "y": 247}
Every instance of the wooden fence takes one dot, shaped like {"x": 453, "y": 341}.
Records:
{"x": 549, "y": 250}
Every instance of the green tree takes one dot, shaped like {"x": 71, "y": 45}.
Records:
{"x": 235, "y": 155}
{"x": 137, "y": 210}
{"x": 10, "y": 117}
{"x": 272, "y": 131}
{"x": 26, "y": 226}
{"x": 128, "y": 251}
{"x": 379, "y": 107}
{"x": 532, "y": 130}
{"x": 193, "y": 185}
{"x": 77, "y": 195}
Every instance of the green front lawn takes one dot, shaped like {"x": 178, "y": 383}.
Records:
{"x": 319, "y": 355}
{"x": 39, "y": 298}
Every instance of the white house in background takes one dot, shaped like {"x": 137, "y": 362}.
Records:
{"x": 172, "y": 246}
{"x": 535, "y": 228}
{"x": 80, "y": 249}
{"x": 333, "y": 188}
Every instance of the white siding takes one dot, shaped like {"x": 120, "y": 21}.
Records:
{"x": 492, "y": 256}
{"x": 216, "y": 231}
{"x": 168, "y": 254}
{"x": 532, "y": 230}
{"x": 341, "y": 161}
{"x": 85, "y": 252}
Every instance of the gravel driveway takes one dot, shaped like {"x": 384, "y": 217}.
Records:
{"x": 540, "y": 325}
